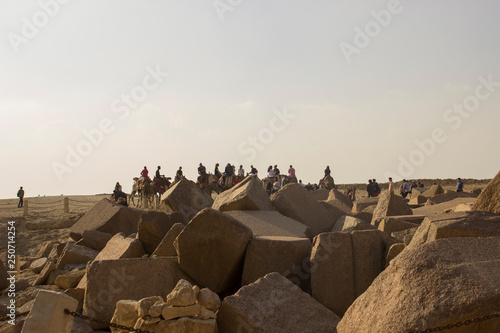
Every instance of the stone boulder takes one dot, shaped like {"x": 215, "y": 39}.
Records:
{"x": 292, "y": 201}
{"x": 94, "y": 239}
{"x": 153, "y": 226}
{"x": 120, "y": 246}
{"x": 437, "y": 284}
{"x": 390, "y": 204}
{"x": 288, "y": 256}
{"x": 274, "y": 304}
{"x": 337, "y": 195}
{"x": 433, "y": 191}
{"x": 269, "y": 223}
{"x": 187, "y": 198}
{"x": 440, "y": 198}
{"x": 390, "y": 225}
{"x": 211, "y": 249}
{"x": 38, "y": 264}
{"x": 109, "y": 281}
{"x": 343, "y": 265}
{"x": 462, "y": 224}
{"x": 489, "y": 198}
{"x": 319, "y": 194}
{"x": 246, "y": 195}
{"x": 166, "y": 247}
{"x": 350, "y": 223}
{"x": 107, "y": 216}
{"x": 75, "y": 254}
{"x": 363, "y": 203}
{"x": 69, "y": 279}
{"x": 418, "y": 200}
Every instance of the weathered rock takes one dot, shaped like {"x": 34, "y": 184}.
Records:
{"x": 166, "y": 247}
{"x": 319, "y": 194}
{"x": 489, "y": 199}
{"x": 206, "y": 314}
{"x": 440, "y": 198}
{"x": 367, "y": 217}
{"x": 269, "y": 223}
{"x": 182, "y": 295}
{"x": 390, "y": 225}
{"x": 390, "y": 204}
{"x": 336, "y": 208}
{"x": 477, "y": 191}
{"x": 349, "y": 223}
{"x": 54, "y": 275}
{"x": 292, "y": 201}
{"x": 344, "y": 264}
{"x": 463, "y": 224}
{"x": 69, "y": 279}
{"x": 107, "y": 216}
{"x": 400, "y": 236}
{"x": 433, "y": 191}
{"x": 246, "y": 195}
{"x": 125, "y": 313}
{"x": 46, "y": 248}
{"x": 208, "y": 299}
{"x": 464, "y": 207}
{"x": 186, "y": 198}
{"x": 120, "y": 246}
{"x": 77, "y": 294}
{"x": 418, "y": 200}
{"x": 153, "y": 226}
{"x": 284, "y": 255}
{"x": 155, "y": 309}
{"x": 96, "y": 240}
{"x": 361, "y": 204}
{"x": 75, "y": 254}
{"x": 109, "y": 281}
{"x": 437, "y": 284}
{"x": 394, "y": 250}
{"x": 44, "y": 274}
{"x": 57, "y": 250}
{"x": 211, "y": 249}
{"x": 37, "y": 265}
{"x": 143, "y": 305}
{"x": 47, "y": 314}
{"x": 274, "y": 304}
{"x": 81, "y": 326}
{"x": 180, "y": 325}
{"x": 173, "y": 312}
{"x": 337, "y": 195}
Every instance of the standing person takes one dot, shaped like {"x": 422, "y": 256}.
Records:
{"x": 391, "y": 185}
{"x": 276, "y": 170}
{"x": 369, "y": 188}
{"x": 20, "y": 195}
{"x": 241, "y": 172}
{"x": 276, "y": 186}
{"x": 405, "y": 189}
{"x": 253, "y": 171}
{"x": 202, "y": 171}
{"x": 217, "y": 173}
{"x": 270, "y": 172}
{"x": 291, "y": 171}
{"x": 460, "y": 185}
{"x": 376, "y": 188}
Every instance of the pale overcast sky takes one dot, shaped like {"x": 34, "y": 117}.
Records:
{"x": 91, "y": 91}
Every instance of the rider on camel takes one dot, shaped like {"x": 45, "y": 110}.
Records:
{"x": 179, "y": 175}
{"x": 157, "y": 174}
{"x": 144, "y": 173}
{"x": 202, "y": 171}
{"x": 217, "y": 173}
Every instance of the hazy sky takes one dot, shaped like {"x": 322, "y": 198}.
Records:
{"x": 91, "y": 91}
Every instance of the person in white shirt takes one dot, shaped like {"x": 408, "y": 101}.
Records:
{"x": 391, "y": 185}
{"x": 241, "y": 171}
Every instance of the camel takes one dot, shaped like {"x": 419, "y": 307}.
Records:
{"x": 328, "y": 182}
{"x": 144, "y": 188}
{"x": 211, "y": 183}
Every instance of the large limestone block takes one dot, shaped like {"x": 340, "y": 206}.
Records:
{"x": 173, "y": 312}
{"x": 75, "y": 254}
{"x": 153, "y": 226}
{"x": 293, "y": 201}
{"x": 418, "y": 200}
{"x": 120, "y": 246}
{"x": 350, "y": 223}
{"x": 489, "y": 197}
{"x": 166, "y": 247}
{"x": 182, "y": 295}
{"x": 181, "y": 325}
{"x": 284, "y": 255}
{"x": 274, "y": 304}
{"x": 336, "y": 208}
{"x": 390, "y": 204}
{"x": 96, "y": 240}
{"x": 37, "y": 265}
{"x": 109, "y": 281}
{"x": 211, "y": 249}
{"x": 208, "y": 299}
{"x": 269, "y": 223}
{"x": 319, "y": 194}
{"x": 363, "y": 203}
{"x": 246, "y": 195}
{"x": 47, "y": 314}
{"x": 440, "y": 198}
{"x": 107, "y": 216}
{"x": 187, "y": 198}
{"x": 461, "y": 224}
{"x": 390, "y": 225}
{"x": 125, "y": 313}
{"x": 437, "y": 284}
{"x": 45, "y": 273}
{"x": 337, "y": 195}
{"x": 433, "y": 191}
{"x": 344, "y": 264}
{"x": 69, "y": 279}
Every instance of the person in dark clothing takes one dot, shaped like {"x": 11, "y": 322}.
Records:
{"x": 369, "y": 188}
{"x": 217, "y": 173}
{"x": 179, "y": 175}
{"x": 229, "y": 170}
{"x": 157, "y": 174}
{"x": 460, "y": 185}
{"x": 202, "y": 171}
{"x": 327, "y": 172}
{"x": 276, "y": 170}
{"x": 376, "y": 188}
{"x": 20, "y": 195}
